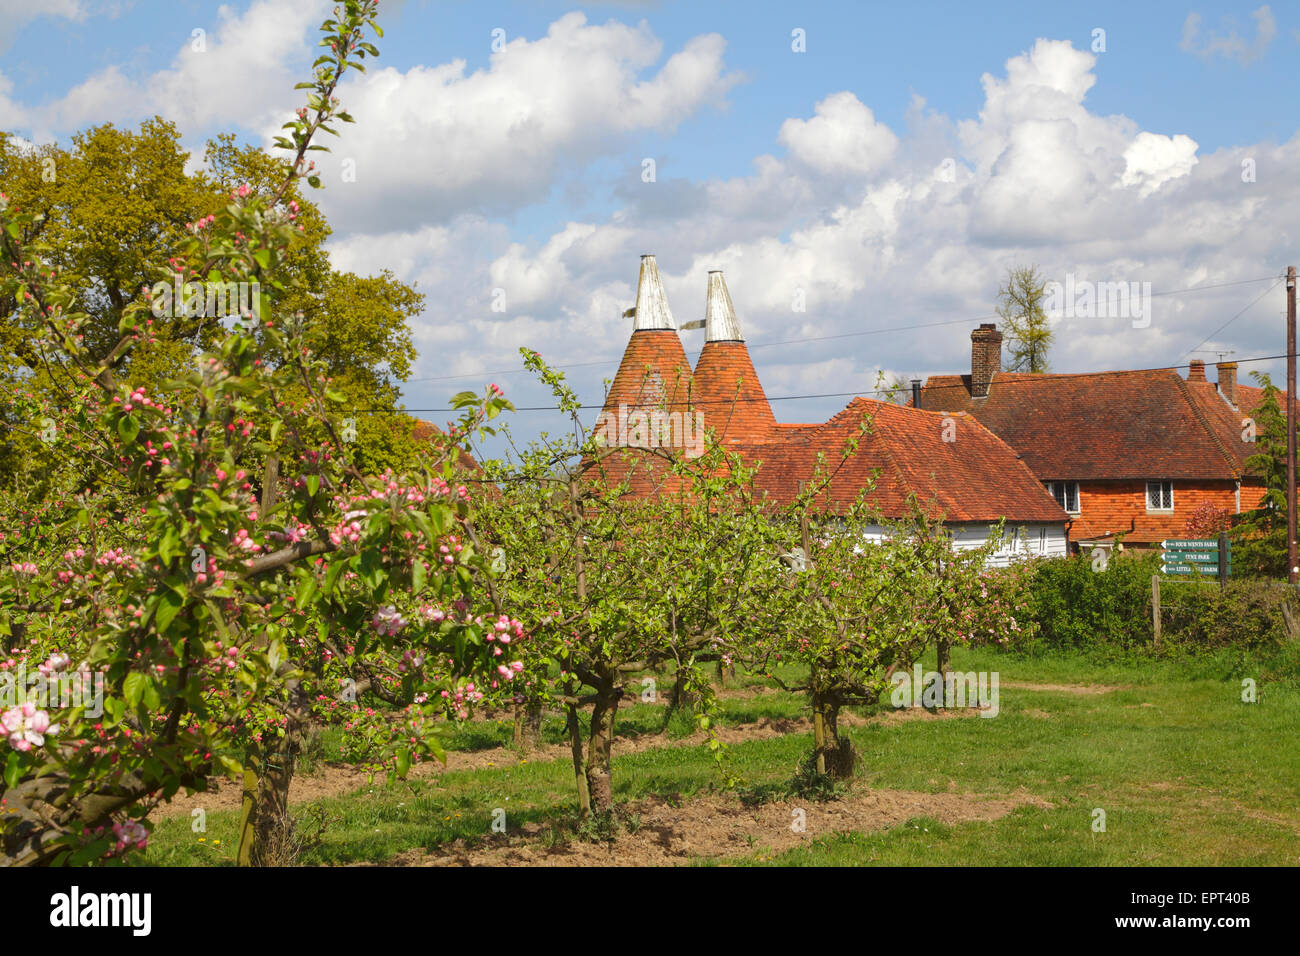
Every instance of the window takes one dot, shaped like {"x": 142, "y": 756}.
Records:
{"x": 1160, "y": 496}
{"x": 1066, "y": 494}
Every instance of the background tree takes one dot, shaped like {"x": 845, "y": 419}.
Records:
{"x": 1025, "y": 324}
{"x": 1259, "y": 546}
{"x": 109, "y": 209}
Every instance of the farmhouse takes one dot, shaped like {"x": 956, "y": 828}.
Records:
{"x": 954, "y": 466}
{"x": 1128, "y": 455}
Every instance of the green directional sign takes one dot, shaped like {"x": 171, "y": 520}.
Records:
{"x": 1195, "y": 557}
{"x": 1206, "y": 569}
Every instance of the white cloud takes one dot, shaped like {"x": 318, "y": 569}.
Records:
{"x": 242, "y": 74}
{"x": 1229, "y": 44}
{"x": 434, "y": 142}
{"x": 15, "y": 14}
{"x": 843, "y": 139}
{"x": 1038, "y": 178}
{"x": 1153, "y": 160}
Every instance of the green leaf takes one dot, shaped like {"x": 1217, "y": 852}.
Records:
{"x": 91, "y": 851}
{"x": 332, "y": 575}
{"x": 306, "y": 591}
{"x": 403, "y": 762}
{"x": 152, "y": 698}
{"x": 313, "y": 484}
{"x": 13, "y": 770}
{"x": 128, "y": 428}
{"x": 168, "y": 605}
{"x": 417, "y": 576}
{"x": 133, "y": 689}
{"x": 230, "y": 763}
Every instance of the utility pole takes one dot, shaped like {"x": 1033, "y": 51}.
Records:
{"x": 1293, "y": 560}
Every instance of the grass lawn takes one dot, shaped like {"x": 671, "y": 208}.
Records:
{"x": 1185, "y": 771}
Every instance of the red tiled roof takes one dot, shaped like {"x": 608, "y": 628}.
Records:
{"x": 729, "y": 393}
{"x": 423, "y": 431}
{"x": 1105, "y": 425}
{"x": 1249, "y": 398}
{"x": 653, "y": 376}
{"x": 1222, "y": 419}
{"x": 654, "y": 373}
{"x": 975, "y": 477}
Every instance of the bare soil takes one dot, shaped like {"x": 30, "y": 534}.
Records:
{"x": 332, "y": 780}
{"x": 1067, "y": 688}
{"x": 719, "y": 826}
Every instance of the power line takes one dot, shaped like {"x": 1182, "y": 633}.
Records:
{"x": 846, "y": 335}
{"x": 1237, "y": 316}
{"x": 1028, "y": 379}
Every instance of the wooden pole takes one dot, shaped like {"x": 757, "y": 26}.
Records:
{"x": 1223, "y": 559}
{"x": 1293, "y": 560}
{"x": 1155, "y": 607}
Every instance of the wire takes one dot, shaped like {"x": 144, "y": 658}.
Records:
{"x": 1029, "y": 379}
{"x": 845, "y": 335}
{"x": 1237, "y": 316}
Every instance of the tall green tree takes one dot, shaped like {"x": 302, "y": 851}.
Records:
{"x": 1259, "y": 540}
{"x": 107, "y": 208}
{"x": 1024, "y": 321}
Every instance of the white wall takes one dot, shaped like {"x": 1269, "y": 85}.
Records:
{"x": 1029, "y": 540}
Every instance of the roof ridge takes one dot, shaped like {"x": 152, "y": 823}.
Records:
{"x": 1205, "y": 424}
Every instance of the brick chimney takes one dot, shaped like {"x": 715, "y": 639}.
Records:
{"x": 1196, "y": 371}
{"x": 985, "y": 358}
{"x": 1228, "y": 381}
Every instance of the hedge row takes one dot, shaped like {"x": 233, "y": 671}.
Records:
{"x": 1077, "y": 606}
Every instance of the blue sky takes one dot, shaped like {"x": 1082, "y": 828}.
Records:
{"x": 816, "y": 169}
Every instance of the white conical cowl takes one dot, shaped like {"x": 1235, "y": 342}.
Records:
{"x": 652, "y": 310}
{"x": 720, "y": 324}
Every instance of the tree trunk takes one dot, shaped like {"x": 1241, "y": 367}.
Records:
{"x": 247, "y": 815}
{"x": 834, "y": 753}
{"x": 574, "y": 728}
{"x": 943, "y": 651}
{"x": 600, "y": 745}
{"x": 265, "y": 823}
{"x": 528, "y": 725}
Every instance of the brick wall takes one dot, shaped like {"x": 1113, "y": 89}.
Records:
{"x": 1110, "y": 507}
{"x": 985, "y": 358}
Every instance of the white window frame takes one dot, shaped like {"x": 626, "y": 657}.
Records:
{"x": 1051, "y": 490}
{"x": 1158, "y": 510}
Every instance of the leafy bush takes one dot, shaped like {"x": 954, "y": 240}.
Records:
{"x": 1077, "y": 607}
{"x": 1246, "y": 613}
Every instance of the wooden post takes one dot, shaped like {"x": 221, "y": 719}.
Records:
{"x": 1223, "y": 560}
{"x": 1293, "y": 561}
{"x": 1155, "y": 607}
